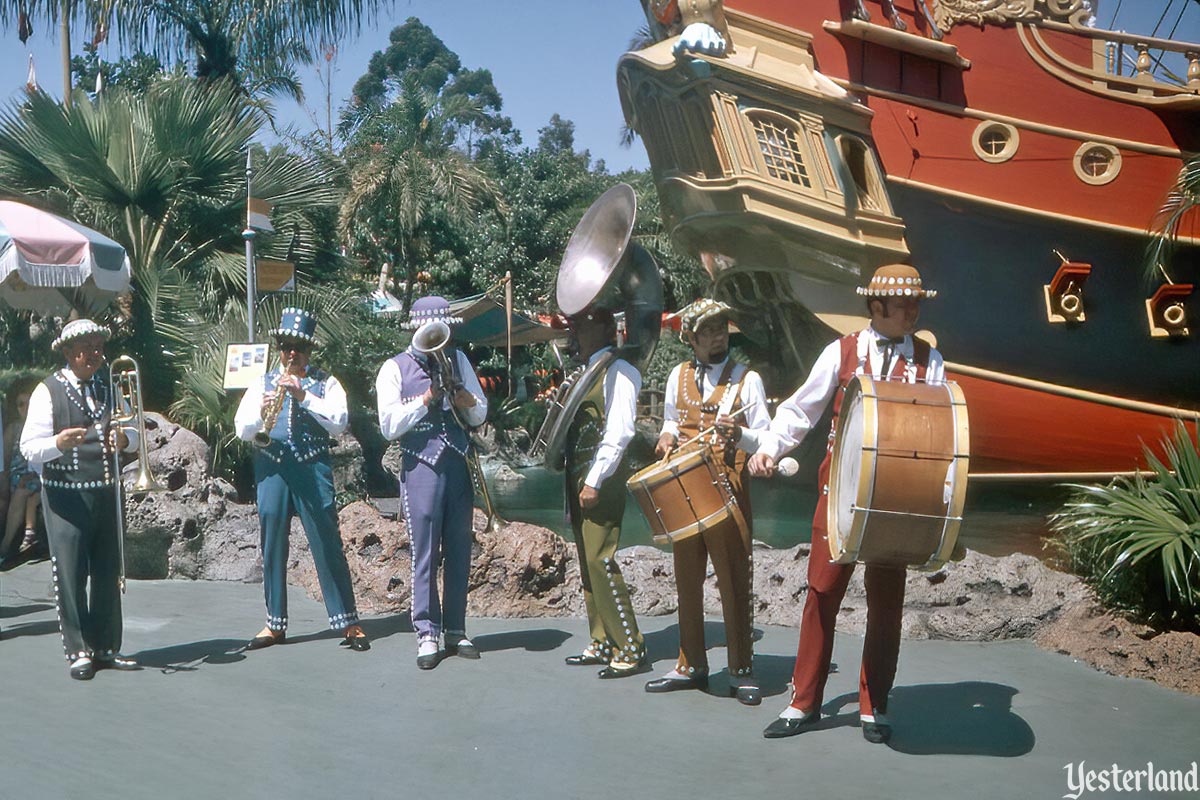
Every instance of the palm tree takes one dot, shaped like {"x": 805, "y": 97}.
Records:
{"x": 163, "y": 174}
{"x": 404, "y": 172}
{"x": 1183, "y": 199}
{"x": 254, "y": 42}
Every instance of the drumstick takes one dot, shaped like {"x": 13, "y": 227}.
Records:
{"x": 788, "y": 466}
{"x": 699, "y": 436}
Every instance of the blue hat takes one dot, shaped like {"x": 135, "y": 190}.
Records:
{"x": 296, "y": 323}
{"x": 430, "y": 309}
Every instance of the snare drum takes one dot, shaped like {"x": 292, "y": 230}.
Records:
{"x": 684, "y": 495}
{"x": 898, "y": 475}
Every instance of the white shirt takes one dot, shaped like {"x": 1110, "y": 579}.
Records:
{"x": 752, "y": 395}
{"x": 622, "y": 383}
{"x": 37, "y": 437}
{"x": 795, "y": 416}
{"x": 329, "y": 411}
{"x": 397, "y": 416}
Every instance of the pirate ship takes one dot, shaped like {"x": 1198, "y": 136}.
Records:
{"x": 1012, "y": 151}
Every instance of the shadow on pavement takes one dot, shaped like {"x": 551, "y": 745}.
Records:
{"x": 968, "y": 718}
{"x": 190, "y": 656}
{"x": 8, "y": 612}
{"x": 537, "y": 640}
{"x": 42, "y": 628}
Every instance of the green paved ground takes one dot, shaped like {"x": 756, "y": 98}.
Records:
{"x": 312, "y": 720}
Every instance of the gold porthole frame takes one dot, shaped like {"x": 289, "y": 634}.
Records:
{"x": 1012, "y": 141}
{"x": 1111, "y": 171}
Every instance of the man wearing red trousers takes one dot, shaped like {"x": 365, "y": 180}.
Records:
{"x": 885, "y": 349}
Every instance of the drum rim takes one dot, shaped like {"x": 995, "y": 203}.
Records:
{"x": 859, "y": 385}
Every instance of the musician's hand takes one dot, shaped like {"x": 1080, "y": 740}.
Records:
{"x": 761, "y": 465}
{"x": 118, "y": 439}
{"x": 292, "y": 384}
{"x": 432, "y": 398}
{"x": 588, "y": 497}
{"x": 69, "y": 438}
{"x": 463, "y": 398}
{"x": 666, "y": 443}
{"x": 728, "y": 428}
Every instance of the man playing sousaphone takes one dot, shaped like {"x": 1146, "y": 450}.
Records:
{"x": 700, "y": 395}
{"x": 886, "y": 350}
{"x": 595, "y": 486}
{"x": 68, "y": 439}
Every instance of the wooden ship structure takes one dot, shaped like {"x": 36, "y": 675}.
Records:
{"x": 999, "y": 145}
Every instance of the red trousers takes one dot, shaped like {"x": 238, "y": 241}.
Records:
{"x": 827, "y": 584}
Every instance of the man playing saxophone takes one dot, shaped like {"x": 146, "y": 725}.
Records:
{"x": 292, "y": 415}
{"x": 68, "y": 440}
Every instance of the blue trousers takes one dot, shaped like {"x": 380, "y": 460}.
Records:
{"x": 285, "y": 489}
{"x": 438, "y": 504}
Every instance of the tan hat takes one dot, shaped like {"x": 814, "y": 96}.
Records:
{"x": 896, "y": 280}
{"x": 693, "y": 316}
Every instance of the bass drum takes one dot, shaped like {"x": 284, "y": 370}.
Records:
{"x": 898, "y": 475}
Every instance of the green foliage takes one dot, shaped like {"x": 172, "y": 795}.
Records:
{"x": 1183, "y": 201}
{"x": 136, "y": 73}
{"x": 1136, "y": 541}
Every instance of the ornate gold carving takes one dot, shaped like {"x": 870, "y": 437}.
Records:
{"x": 948, "y": 13}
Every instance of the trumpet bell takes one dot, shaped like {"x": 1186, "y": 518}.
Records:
{"x": 431, "y": 337}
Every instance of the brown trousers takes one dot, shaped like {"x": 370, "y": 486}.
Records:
{"x": 730, "y": 552}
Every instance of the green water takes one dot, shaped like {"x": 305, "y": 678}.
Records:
{"x": 998, "y": 519}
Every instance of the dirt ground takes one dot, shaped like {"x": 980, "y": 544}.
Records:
{"x": 1120, "y": 647}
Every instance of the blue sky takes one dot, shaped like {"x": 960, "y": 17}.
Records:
{"x": 551, "y": 56}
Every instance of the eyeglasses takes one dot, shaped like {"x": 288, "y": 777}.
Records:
{"x": 298, "y": 347}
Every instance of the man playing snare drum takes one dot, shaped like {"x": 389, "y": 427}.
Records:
{"x": 886, "y": 349}
{"x": 703, "y": 393}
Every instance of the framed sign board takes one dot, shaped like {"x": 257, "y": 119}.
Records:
{"x": 245, "y": 364}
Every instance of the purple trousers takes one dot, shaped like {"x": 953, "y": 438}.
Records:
{"x": 438, "y": 504}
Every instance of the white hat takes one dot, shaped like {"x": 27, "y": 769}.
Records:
{"x": 77, "y": 329}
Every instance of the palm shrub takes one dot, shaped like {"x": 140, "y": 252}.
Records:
{"x": 1136, "y": 541}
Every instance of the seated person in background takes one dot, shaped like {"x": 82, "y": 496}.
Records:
{"x": 22, "y": 482}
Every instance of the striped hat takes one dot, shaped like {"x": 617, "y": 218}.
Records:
{"x": 76, "y": 329}
{"x": 896, "y": 280}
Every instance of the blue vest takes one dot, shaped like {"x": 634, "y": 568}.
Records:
{"x": 88, "y": 466}
{"x": 438, "y": 430}
{"x": 296, "y": 431}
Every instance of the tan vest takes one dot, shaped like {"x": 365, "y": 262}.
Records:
{"x": 697, "y": 413}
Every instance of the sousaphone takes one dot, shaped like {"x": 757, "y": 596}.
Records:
{"x": 602, "y": 268}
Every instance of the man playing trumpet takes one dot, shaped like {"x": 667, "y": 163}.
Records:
{"x": 298, "y": 408}
{"x": 700, "y": 394}
{"x": 435, "y": 479}
{"x": 69, "y": 441}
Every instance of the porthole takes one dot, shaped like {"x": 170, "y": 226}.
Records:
{"x": 1097, "y": 164}
{"x": 995, "y": 142}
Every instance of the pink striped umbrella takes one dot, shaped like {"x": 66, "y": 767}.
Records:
{"x": 52, "y": 265}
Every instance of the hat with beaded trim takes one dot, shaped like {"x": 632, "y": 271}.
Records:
{"x": 896, "y": 280}
{"x": 693, "y": 316}
{"x": 431, "y": 308}
{"x": 77, "y": 329}
{"x": 297, "y": 324}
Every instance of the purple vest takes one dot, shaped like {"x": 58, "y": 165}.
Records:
{"x": 438, "y": 430}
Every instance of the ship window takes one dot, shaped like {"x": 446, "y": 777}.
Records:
{"x": 1097, "y": 164}
{"x": 995, "y": 142}
{"x": 780, "y": 149}
{"x": 858, "y": 161}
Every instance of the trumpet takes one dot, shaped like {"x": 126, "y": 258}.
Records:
{"x": 270, "y": 416}
{"x": 124, "y": 376}
{"x": 432, "y": 339}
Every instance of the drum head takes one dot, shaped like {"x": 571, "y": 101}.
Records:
{"x": 848, "y": 458}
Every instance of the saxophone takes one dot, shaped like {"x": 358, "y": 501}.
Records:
{"x": 270, "y": 416}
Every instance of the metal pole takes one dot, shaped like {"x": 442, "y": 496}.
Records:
{"x": 248, "y": 235}
{"x": 508, "y": 323}
{"x": 64, "y": 35}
